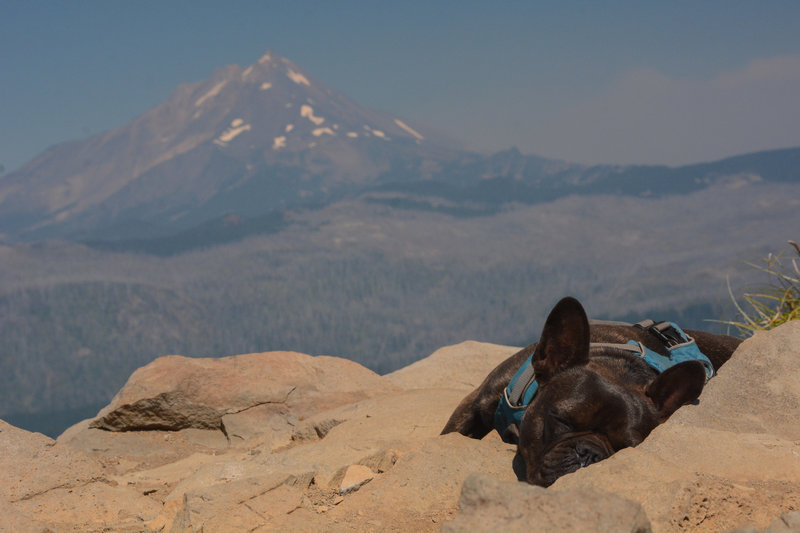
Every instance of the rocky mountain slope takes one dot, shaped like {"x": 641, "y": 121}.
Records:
{"x": 283, "y": 441}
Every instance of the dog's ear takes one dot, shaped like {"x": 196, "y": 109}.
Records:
{"x": 564, "y": 342}
{"x": 676, "y": 386}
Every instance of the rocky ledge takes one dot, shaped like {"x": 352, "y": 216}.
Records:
{"x": 283, "y": 441}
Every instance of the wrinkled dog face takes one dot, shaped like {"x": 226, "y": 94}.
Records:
{"x": 580, "y": 418}
{"x": 586, "y": 407}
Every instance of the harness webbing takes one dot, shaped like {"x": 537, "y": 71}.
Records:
{"x": 523, "y": 386}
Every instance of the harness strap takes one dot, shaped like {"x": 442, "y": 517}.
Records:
{"x": 613, "y": 346}
{"x": 595, "y": 322}
{"x": 521, "y": 382}
{"x": 526, "y": 377}
{"x": 523, "y": 386}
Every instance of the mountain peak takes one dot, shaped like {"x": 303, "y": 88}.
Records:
{"x": 266, "y": 58}
{"x": 237, "y": 134}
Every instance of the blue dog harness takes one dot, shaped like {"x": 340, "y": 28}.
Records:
{"x": 523, "y": 386}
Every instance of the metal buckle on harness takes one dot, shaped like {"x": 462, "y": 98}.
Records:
{"x": 664, "y": 331}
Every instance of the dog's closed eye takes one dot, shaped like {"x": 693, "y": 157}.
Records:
{"x": 561, "y": 425}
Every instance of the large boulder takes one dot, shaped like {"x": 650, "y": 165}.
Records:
{"x": 178, "y": 406}
{"x": 176, "y": 392}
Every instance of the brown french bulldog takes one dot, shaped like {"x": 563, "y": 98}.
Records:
{"x": 590, "y": 403}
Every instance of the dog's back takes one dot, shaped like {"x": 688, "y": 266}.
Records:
{"x": 474, "y": 416}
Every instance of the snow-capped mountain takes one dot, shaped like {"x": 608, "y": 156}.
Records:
{"x": 246, "y": 140}
{"x": 250, "y": 141}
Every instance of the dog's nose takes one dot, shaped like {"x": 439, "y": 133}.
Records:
{"x": 588, "y": 454}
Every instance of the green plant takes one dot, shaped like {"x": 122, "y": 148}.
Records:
{"x": 776, "y": 303}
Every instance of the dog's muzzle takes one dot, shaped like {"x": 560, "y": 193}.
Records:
{"x": 568, "y": 455}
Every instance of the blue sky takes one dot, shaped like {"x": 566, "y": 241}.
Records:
{"x": 594, "y": 82}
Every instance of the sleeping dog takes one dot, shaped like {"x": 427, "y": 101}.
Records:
{"x": 590, "y": 390}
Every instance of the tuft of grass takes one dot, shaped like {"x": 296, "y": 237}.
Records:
{"x": 776, "y": 303}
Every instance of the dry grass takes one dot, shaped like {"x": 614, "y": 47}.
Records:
{"x": 774, "y": 304}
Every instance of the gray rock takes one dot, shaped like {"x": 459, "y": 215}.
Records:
{"x": 788, "y": 523}
{"x": 487, "y": 504}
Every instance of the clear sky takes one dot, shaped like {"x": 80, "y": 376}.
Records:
{"x": 668, "y": 82}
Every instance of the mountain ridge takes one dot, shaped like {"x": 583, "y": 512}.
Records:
{"x": 503, "y": 182}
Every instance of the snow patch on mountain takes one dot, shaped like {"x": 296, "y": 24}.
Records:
{"x": 266, "y": 86}
{"x": 306, "y": 111}
{"x": 247, "y": 72}
{"x": 409, "y": 129}
{"x": 298, "y": 78}
{"x": 279, "y": 142}
{"x": 266, "y": 58}
{"x": 321, "y": 131}
{"x": 377, "y": 133}
{"x": 212, "y": 93}
{"x": 236, "y": 128}
{"x": 289, "y": 127}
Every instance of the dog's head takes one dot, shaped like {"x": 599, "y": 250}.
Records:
{"x": 586, "y": 407}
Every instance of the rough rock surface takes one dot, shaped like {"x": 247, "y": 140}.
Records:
{"x": 288, "y": 442}
{"x": 463, "y": 366}
{"x": 176, "y": 392}
{"x": 45, "y": 485}
{"x": 491, "y": 505}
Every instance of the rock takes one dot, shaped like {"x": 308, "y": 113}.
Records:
{"x": 13, "y": 520}
{"x": 788, "y": 523}
{"x": 137, "y": 450}
{"x": 315, "y": 429}
{"x": 237, "y": 505}
{"x": 461, "y": 366}
{"x": 418, "y": 494}
{"x": 487, "y": 504}
{"x": 758, "y": 390}
{"x": 176, "y": 392}
{"x": 731, "y": 460}
{"x": 44, "y": 485}
{"x": 31, "y": 464}
{"x": 354, "y": 477}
